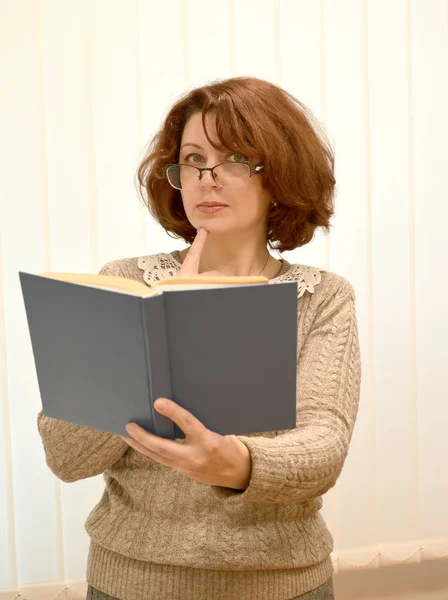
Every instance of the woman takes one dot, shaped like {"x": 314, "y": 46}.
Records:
{"x": 229, "y": 517}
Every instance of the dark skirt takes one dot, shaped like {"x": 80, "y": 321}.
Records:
{"x": 323, "y": 592}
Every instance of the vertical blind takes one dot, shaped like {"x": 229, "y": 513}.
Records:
{"x": 85, "y": 85}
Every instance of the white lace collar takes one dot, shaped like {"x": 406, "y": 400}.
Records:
{"x": 160, "y": 266}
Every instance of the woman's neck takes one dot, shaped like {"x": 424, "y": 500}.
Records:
{"x": 242, "y": 264}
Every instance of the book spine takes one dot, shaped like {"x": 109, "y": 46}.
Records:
{"x": 157, "y": 361}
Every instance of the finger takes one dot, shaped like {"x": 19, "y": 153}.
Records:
{"x": 145, "y": 452}
{"x": 189, "y": 424}
{"x": 138, "y": 446}
{"x": 155, "y": 445}
{"x": 191, "y": 262}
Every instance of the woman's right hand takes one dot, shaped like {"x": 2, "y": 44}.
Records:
{"x": 190, "y": 266}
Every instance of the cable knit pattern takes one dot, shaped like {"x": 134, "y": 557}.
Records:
{"x": 158, "y": 534}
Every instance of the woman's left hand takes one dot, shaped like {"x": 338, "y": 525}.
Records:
{"x": 203, "y": 455}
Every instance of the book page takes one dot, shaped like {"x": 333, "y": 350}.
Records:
{"x": 109, "y": 282}
{"x": 136, "y": 288}
{"x": 192, "y": 286}
{"x": 198, "y": 282}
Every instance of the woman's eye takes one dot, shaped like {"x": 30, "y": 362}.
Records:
{"x": 194, "y": 157}
{"x": 238, "y": 158}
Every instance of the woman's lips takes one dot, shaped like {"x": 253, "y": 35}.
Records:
{"x": 211, "y": 209}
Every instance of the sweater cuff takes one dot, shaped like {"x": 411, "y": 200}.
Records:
{"x": 265, "y": 480}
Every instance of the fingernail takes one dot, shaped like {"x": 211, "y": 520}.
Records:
{"x": 161, "y": 405}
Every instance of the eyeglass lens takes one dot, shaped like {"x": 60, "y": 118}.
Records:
{"x": 228, "y": 175}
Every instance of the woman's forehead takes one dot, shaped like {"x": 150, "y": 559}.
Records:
{"x": 194, "y": 131}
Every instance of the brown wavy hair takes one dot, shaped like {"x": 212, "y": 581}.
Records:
{"x": 254, "y": 118}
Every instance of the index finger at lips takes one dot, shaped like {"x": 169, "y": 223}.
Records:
{"x": 191, "y": 263}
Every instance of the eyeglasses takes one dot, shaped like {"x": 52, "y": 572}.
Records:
{"x": 230, "y": 175}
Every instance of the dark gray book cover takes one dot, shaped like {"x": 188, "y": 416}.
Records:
{"x": 102, "y": 357}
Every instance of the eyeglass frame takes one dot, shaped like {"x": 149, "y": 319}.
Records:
{"x": 255, "y": 169}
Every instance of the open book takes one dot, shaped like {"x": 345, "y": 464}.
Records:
{"x": 105, "y": 348}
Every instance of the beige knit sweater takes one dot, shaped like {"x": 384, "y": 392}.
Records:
{"x": 156, "y": 534}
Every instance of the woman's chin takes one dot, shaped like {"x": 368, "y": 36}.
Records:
{"x": 212, "y": 224}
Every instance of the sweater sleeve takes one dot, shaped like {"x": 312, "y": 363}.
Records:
{"x": 76, "y": 452}
{"x": 305, "y": 462}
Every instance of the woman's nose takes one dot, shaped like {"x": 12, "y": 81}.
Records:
{"x": 207, "y": 180}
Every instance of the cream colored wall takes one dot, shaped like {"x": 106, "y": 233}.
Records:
{"x": 426, "y": 581}
{"x": 85, "y": 84}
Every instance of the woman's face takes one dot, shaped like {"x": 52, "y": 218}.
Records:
{"x": 246, "y": 208}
